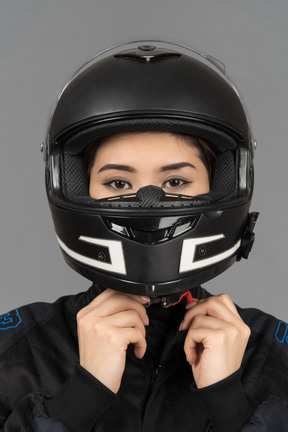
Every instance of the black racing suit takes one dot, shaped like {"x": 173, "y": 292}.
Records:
{"x": 43, "y": 388}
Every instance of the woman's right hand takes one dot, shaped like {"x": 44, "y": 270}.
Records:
{"x": 106, "y": 327}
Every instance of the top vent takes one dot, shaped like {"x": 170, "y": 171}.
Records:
{"x": 147, "y": 53}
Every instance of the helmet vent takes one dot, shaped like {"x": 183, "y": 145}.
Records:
{"x": 151, "y": 230}
{"x": 147, "y": 53}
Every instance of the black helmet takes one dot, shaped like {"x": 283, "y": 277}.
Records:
{"x": 151, "y": 243}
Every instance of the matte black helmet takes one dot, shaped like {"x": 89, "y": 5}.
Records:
{"x": 151, "y": 243}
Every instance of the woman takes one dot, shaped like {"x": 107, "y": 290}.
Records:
{"x": 149, "y": 174}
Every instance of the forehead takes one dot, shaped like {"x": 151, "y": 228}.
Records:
{"x": 146, "y": 144}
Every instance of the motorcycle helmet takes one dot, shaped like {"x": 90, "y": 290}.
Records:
{"x": 151, "y": 243}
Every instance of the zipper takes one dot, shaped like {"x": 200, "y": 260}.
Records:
{"x": 154, "y": 374}
{"x": 156, "y": 379}
{"x": 147, "y": 415}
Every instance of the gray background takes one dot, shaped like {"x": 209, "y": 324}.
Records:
{"x": 42, "y": 42}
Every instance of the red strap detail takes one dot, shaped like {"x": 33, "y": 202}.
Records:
{"x": 188, "y": 296}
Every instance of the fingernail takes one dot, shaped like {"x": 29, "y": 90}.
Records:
{"x": 190, "y": 305}
{"x": 145, "y": 299}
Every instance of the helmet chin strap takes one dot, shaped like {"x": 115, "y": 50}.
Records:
{"x": 171, "y": 300}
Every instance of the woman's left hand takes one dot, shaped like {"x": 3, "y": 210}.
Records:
{"x": 216, "y": 339}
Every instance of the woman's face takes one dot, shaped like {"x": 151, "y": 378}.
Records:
{"x": 125, "y": 163}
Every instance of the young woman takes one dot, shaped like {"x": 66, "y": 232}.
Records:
{"x": 123, "y": 163}
{"x": 149, "y": 174}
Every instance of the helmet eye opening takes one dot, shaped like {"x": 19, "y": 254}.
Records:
{"x": 75, "y": 185}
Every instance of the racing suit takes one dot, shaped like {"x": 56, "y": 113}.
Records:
{"x": 43, "y": 388}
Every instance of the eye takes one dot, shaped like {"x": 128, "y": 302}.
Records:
{"x": 118, "y": 184}
{"x": 174, "y": 183}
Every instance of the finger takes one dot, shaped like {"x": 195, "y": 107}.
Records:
{"x": 96, "y": 301}
{"x": 95, "y": 319}
{"x": 208, "y": 322}
{"x": 120, "y": 303}
{"x": 135, "y": 336}
{"x": 108, "y": 294}
{"x": 227, "y": 301}
{"x": 126, "y": 319}
{"x": 200, "y": 329}
{"x": 222, "y": 298}
{"x": 213, "y": 307}
{"x": 142, "y": 299}
{"x": 196, "y": 337}
{"x": 192, "y": 304}
{"x": 105, "y": 296}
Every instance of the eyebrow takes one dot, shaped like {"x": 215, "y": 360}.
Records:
{"x": 177, "y": 166}
{"x": 116, "y": 167}
{"x": 131, "y": 169}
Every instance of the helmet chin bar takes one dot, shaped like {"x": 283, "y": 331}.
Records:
{"x": 244, "y": 251}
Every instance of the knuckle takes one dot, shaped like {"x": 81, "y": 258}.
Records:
{"x": 114, "y": 338}
{"x": 134, "y": 318}
{"x": 197, "y": 321}
{"x": 234, "y": 333}
{"x": 79, "y": 316}
{"x": 82, "y": 320}
{"x": 245, "y": 330}
{"x": 190, "y": 336}
{"x": 133, "y": 314}
{"x": 224, "y": 298}
{"x": 223, "y": 337}
{"x": 110, "y": 336}
{"x": 100, "y": 327}
{"x": 212, "y": 300}
{"x": 139, "y": 333}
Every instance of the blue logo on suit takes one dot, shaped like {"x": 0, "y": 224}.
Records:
{"x": 10, "y": 320}
{"x": 281, "y": 334}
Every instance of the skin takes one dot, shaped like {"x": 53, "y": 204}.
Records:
{"x": 216, "y": 340}
{"x": 216, "y": 335}
{"x": 125, "y": 163}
